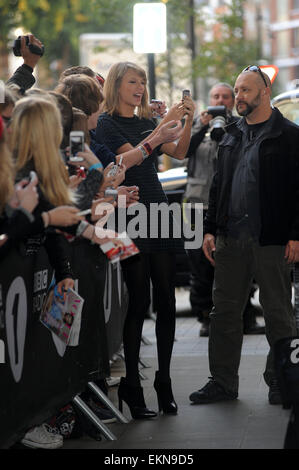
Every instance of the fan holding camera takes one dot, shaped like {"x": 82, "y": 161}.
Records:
{"x": 31, "y": 49}
{"x": 207, "y": 133}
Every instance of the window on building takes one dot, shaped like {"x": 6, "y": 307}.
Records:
{"x": 282, "y": 80}
{"x": 295, "y": 4}
{"x": 296, "y": 38}
{"x": 283, "y": 45}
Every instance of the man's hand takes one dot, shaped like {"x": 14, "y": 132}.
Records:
{"x": 209, "y": 247}
{"x": 29, "y": 58}
{"x": 292, "y": 251}
{"x": 205, "y": 117}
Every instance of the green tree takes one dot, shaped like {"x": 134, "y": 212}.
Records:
{"x": 228, "y": 51}
{"x": 173, "y": 66}
{"x": 59, "y": 23}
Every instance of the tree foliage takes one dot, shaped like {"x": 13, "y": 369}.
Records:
{"x": 227, "y": 52}
{"x": 59, "y": 23}
{"x": 9, "y": 18}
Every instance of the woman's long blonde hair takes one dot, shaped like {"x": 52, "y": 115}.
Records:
{"x": 112, "y": 85}
{"x": 37, "y": 134}
{"x": 6, "y": 172}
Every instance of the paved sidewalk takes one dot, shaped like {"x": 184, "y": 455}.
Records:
{"x": 247, "y": 423}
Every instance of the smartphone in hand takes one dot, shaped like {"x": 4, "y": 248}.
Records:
{"x": 76, "y": 145}
{"x": 115, "y": 168}
{"x": 185, "y": 93}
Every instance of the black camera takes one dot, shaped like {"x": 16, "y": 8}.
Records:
{"x": 32, "y": 47}
{"x": 218, "y": 123}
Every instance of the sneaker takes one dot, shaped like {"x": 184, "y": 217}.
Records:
{"x": 102, "y": 412}
{"x": 40, "y": 438}
{"x": 274, "y": 395}
{"x": 65, "y": 423}
{"x": 211, "y": 393}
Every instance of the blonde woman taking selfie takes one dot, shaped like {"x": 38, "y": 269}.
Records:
{"x": 120, "y": 129}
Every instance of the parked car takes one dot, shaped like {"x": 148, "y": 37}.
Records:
{"x": 174, "y": 183}
{"x": 288, "y": 104}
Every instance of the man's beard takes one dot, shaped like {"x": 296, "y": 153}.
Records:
{"x": 250, "y": 106}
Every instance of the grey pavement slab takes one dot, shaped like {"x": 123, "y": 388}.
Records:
{"x": 247, "y": 423}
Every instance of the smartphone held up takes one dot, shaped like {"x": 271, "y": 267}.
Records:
{"x": 185, "y": 93}
{"x": 76, "y": 145}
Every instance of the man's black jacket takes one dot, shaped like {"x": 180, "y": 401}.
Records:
{"x": 278, "y": 181}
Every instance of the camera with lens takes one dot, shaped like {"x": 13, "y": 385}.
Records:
{"x": 218, "y": 123}
{"x": 32, "y": 47}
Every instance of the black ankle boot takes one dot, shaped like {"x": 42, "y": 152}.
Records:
{"x": 133, "y": 397}
{"x": 165, "y": 397}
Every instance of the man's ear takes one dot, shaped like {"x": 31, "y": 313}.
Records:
{"x": 267, "y": 91}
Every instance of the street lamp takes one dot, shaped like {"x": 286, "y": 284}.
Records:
{"x": 149, "y": 35}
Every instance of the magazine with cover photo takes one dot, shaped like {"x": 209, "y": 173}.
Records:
{"x": 63, "y": 316}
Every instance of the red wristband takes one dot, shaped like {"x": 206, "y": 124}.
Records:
{"x": 148, "y": 148}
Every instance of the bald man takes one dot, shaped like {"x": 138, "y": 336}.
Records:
{"x": 251, "y": 231}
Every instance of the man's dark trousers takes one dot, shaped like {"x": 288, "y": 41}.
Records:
{"x": 237, "y": 263}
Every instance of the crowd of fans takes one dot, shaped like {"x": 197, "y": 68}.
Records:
{"x": 42, "y": 193}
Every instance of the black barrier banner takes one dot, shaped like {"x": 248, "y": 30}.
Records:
{"x": 116, "y": 301}
{"x": 286, "y": 360}
{"x": 38, "y": 372}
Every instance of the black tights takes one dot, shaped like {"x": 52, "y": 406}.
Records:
{"x": 160, "y": 268}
